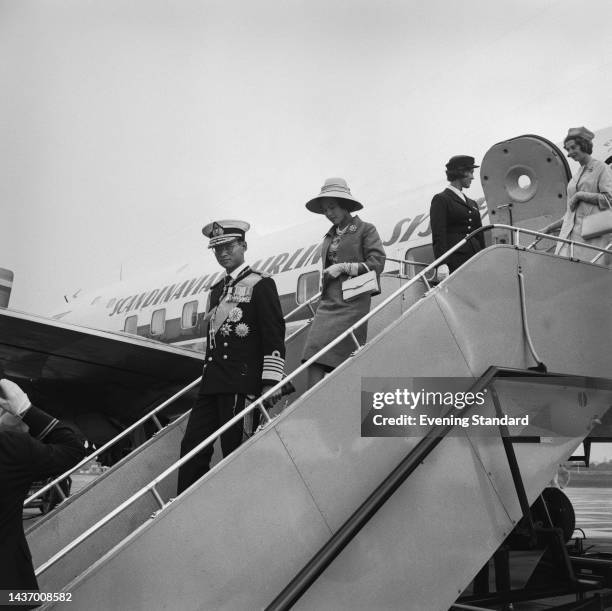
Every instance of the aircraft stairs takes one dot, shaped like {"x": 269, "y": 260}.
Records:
{"x": 239, "y": 535}
{"x": 85, "y": 507}
{"x": 78, "y": 512}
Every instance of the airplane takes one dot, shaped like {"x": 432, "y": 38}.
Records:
{"x": 135, "y": 342}
{"x": 170, "y": 306}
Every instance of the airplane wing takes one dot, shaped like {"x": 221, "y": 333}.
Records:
{"x": 94, "y": 378}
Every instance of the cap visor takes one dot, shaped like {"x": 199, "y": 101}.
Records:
{"x": 223, "y": 239}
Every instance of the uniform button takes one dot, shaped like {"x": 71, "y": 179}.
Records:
{"x": 210, "y": 358}
{"x": 225, "y": 356}
{"x": 225, "y": 344}
{"x": 469, "y": 226}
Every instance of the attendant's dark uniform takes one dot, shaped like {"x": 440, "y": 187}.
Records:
{"x": 48, "y": 449}
{"x": 452, "y": 219}
{"x": 245, "y": 351}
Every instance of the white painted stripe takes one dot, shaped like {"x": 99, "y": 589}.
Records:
{"x": 272, "y": 375}
{"x": 48, "y": 429}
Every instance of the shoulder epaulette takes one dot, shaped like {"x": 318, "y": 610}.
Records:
{"x": 261, "y": 273}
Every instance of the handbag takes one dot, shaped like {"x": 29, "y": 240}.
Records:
{"x": 597, "y": 224}
{"x": 366, "y": 284}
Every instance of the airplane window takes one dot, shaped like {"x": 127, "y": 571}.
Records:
{"x": 307, "y": 286}
{"x": 158, "y": 322}
{"x": 189, "y": 318}
{"x": 111, "y": 303}
{"x": 421, "y": 254}
{"x": 131, "y": 325}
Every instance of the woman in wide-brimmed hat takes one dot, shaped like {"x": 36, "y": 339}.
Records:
{"x": 588, "y": 192}
{"x": 351, "y": 247}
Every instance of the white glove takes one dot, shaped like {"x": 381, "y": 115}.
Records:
{"x": 442, "y": 272}
{"x": 350, "y": 269}
{"x": 13, "y": 399}
{"x": 335, "y": 270}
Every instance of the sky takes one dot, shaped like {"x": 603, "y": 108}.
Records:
{"x": 127, "y": 125}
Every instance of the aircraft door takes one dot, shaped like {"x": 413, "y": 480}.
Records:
{"x": 524, "y": 180}
{"x": 417, "y": 258}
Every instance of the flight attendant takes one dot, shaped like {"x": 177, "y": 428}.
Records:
{"x": 245, "y": 351}
{"x": 453, "y": 216}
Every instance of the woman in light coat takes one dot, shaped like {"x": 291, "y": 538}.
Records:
{"x": 588, "y": 192}
{"x": 350, "y": 248}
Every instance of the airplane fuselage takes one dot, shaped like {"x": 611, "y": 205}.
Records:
{"x": 171, "y": 307}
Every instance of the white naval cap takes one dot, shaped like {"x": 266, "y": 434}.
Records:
{"x": 222, "y": 232}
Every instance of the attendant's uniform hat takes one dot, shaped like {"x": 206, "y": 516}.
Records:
{"x": 461, "y": 162}
{"x": 579, "y": 132}
{"x": 334, "y": 188}
{"x": 222, "y": 232}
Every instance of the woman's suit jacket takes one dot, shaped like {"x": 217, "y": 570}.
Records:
{"x": 360, "y": 244}
{"x": 595, "y": 177}
{"x": 451, "y": 220}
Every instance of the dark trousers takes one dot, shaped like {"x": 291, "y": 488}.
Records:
{"x": 209, "y": 413}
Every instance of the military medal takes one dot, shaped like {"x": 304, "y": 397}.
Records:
{"x": 241, "y": 293}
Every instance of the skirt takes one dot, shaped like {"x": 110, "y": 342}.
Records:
{"x": 333, "y": 316}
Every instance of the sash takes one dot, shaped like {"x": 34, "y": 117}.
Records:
{"x": 240, "y": 292}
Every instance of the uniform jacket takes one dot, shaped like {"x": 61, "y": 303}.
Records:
{"x": 248, "y": 349}
{"x": 451, "y": 220}
{"x": 360, "y": 244}
{"x": 48, "y": 449}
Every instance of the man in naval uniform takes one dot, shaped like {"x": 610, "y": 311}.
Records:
{"x": 453, "y": 216}
{"x": 245, "y": 351}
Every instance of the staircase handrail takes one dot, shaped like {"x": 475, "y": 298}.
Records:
{"x": 310, "y": 572}
{"x": 259, "y": 402}
{"x": 111, "y": 442}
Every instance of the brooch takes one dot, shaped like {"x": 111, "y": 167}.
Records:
{"x": 242, "y": 329}
{"x": 235, "y": 315}
{"x": 225, "y": 329}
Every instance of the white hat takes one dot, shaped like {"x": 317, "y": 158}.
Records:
{"x": 222, "y": 232}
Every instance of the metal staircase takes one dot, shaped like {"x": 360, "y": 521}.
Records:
{"x": 237, "y": 537}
